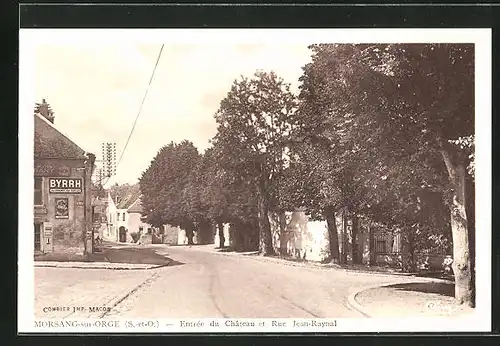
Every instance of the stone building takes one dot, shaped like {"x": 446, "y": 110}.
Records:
{"x": 62, "y": 195}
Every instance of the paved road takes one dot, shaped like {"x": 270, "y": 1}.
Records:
{"x": 209, "y": 285}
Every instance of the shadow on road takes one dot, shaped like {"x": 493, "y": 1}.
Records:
{"x": 138, "y": 256}
{"x": 441, "y": 288}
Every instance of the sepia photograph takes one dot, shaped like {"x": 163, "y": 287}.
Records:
{"x": 255, "y": 180}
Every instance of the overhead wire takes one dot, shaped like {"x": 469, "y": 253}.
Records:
{"x": 138, "y": 113}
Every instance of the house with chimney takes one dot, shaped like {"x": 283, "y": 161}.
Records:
{"x": 62, "y": 194}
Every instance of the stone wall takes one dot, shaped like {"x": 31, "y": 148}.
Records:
{"x": 62, "y": 233}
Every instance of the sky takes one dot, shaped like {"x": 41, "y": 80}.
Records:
{"x": 96, "y": 90}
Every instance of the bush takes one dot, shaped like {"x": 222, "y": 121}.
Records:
{"x": 135, "y": 236}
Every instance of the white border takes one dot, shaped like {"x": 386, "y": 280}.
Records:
{"x": 31, "y": 38}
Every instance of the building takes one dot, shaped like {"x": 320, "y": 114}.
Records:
{"x": 126, "y": 223}
{"x": 296, "y": 236}
{"x": 117, "y": 220}
{"x": 62, "y": 194}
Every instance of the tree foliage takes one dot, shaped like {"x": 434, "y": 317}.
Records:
{"x": 399, "y": 119}
{"x": 255, "y": 122}
{"x": 166, "y": 188}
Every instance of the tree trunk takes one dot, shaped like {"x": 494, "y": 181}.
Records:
{"x": 371, "y": 243}
{"x": 333, "y": 236}
{"x": 190, "y": 236}
{"x": 265, "y": 235}
{"x": 222, "y": 239}
{"x": 345, "y": 240}
{"x": 283, "y": 240}
{"x": 355, "y": 245}
{"x": 462, "y": 266}
{"x": 409, "y": 264}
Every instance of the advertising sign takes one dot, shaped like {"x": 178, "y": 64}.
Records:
{"x": 62, "y": 208}
{"x": 66, "y": 185}
{"x": 47, "y": 170}
{"x": 47, "y": 229}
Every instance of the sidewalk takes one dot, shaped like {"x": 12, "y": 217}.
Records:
{"x": 425, "y": 297}
{"x": 82, "y": 293}
{"x": 418, "y": 299}
{"x": 94, "y": 265}
{"x": 109, "y": 258}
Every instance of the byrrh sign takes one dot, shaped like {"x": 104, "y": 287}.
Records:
{"x": 66, "y": 185}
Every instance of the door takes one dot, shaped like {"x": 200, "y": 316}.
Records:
{"x": 123, "y": 234}
{"x": 38, "y": 240}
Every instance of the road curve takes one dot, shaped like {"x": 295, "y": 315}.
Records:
{"x": 210, "y": 285}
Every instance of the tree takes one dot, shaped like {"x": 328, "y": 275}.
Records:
{"x": 407, "y": 104}
{"x": 255, "y": 121}
{"x": 165, "y": 187}
{"x": 325, "y": 149}
{"x": 213, "y": 192}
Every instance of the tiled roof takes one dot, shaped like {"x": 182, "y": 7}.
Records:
{"x": 136, "y": 207}
{"x": 51, "y": 143}
{"x": 127, "y": 201}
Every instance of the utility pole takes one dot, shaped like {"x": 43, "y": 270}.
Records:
{"x": 108, "y": 152}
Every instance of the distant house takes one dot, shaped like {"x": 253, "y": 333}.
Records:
{"x": 118, "y": 219}
{"x": 125, "y": 218}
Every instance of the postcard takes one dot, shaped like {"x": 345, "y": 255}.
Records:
{"x": 251, "y": 180}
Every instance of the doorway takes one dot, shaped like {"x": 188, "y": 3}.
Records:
{"x": 122, "y": 234}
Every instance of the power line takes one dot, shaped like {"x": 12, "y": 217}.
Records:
{"x": 138, "y": 113}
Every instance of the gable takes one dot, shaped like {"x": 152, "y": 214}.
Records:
{"x": 49, "y": 143}
{"x": 127, "y": 201}
{"x": 136, "y": 207}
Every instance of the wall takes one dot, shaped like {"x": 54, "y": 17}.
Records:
{"x": 227, "y": 240}
{"x": 171, "y": 235}
{"x": 111, "y": 233}
{"x": 62, "y": 234}
{"x": 134, "y": 222}
{"x": 183, "y": 240}
{"x": 294, "y": 235}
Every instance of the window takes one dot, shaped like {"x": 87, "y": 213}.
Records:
{"x": 38, "y": 191}
{"x": 123, "y": 218}
{"x": 117, "y": 217}
{"x": 37, "y": 237}
{"x": 149, "y": 230}
{"x": 141, "y": 229}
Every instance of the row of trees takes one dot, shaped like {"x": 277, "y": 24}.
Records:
{"x": 380, "y": 131}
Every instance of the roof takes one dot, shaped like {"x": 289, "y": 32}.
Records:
{"x": 136, "y": 207}
{"x": 50, "y": 143}
{"x": 127, "y": 201}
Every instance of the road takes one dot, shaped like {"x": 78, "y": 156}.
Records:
{"x": 205, "y": 284}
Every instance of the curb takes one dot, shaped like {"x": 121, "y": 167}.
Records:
{"x": 110, "y": 266}
{"x": 353, "y": 303}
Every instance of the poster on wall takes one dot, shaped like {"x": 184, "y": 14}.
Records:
{"x": 62, "y": 208}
